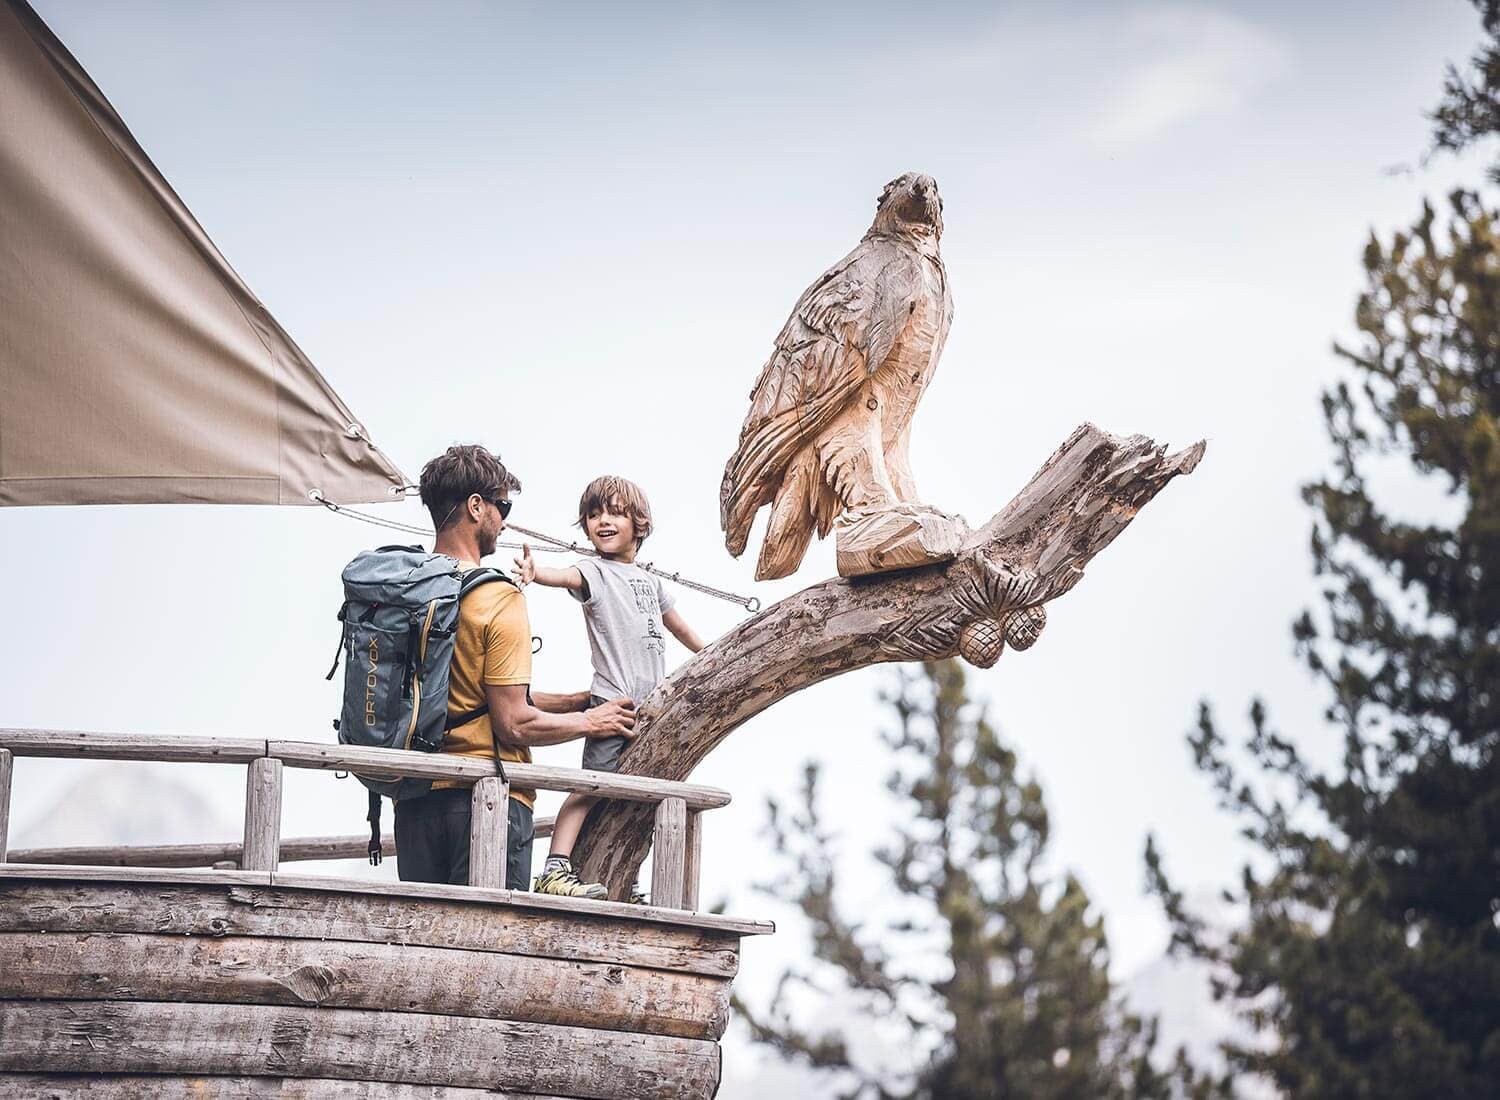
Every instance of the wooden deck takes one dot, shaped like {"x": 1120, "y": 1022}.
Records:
{"x": 273, "y": 984}
{"x": 121, "y": 976}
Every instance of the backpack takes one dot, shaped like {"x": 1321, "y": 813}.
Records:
{"x": 400, "y": 618}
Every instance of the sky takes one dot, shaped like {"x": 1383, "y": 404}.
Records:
{"x": 572, "y": 232}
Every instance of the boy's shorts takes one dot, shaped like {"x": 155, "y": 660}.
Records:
{"x": 602, "y": 754}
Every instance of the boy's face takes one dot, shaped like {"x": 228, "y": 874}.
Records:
{"x": 612, "y": 531}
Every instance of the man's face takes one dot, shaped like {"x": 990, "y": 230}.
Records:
{"x": 492, "y": 523}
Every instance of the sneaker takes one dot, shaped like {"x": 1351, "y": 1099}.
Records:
{"x": 564, "y": 882}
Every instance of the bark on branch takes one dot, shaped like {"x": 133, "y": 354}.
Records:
{"x": 992, "y": 593}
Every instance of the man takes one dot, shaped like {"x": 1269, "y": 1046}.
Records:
{"x": 467, "y": 491}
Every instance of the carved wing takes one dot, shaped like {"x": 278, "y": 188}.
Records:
{"x": 839, "y": 334}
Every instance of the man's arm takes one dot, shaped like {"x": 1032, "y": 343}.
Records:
{"x": 527, "y": 570}
{"x": 514, "y": 721}
{"x": 681, "y": 631}
{"x": 567, "y": 703}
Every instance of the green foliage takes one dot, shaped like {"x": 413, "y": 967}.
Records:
{"x": 1469, "y": 112}
{"x": 1369, "y": 958}
{"x": 995, "y": 972}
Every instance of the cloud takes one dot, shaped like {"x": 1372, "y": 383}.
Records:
{"x": 1190, "y": 62}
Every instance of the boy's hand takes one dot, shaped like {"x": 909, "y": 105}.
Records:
{"x": 525, "y": 567}
{"x": 615, "y": 718}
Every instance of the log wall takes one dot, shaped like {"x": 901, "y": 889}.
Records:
{"x": 262, "y": 985}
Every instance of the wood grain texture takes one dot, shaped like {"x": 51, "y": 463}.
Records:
{"x": 525, "y": 899}
{"x": 692, "y": 870}
{"x": 669, "y": 854}
{"x": 902, "y": 536}
{"x": 204, "y": 909}
{"x": 381, "y": 763}
{"x": 155, "y": 876}
{"x": 7, "y": 770}
{"x": 380, "y": 976}
{"x": 1033, "y": 551}
{"x": 397, "y": 891}
{"x": 488, "y": 827}
{"x": 394, "y": 763}
{"x": 124, "y": 1086}
{"x": 151, "y": 1036}
{"x": 293, "y": 850}
{"x": 830, "y": 416}
{"x": 296, "y": 849}
{"x": 262, "y": 846}
{"x": 130, "y": 746}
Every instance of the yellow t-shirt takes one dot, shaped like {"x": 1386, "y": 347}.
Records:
{"x": 492, "y": 646}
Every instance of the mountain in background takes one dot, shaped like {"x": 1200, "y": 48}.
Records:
{"x": 128, "y": 803}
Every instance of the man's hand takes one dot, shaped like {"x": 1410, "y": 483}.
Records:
{"x": 525, "y": 567}
{"x": 612, "y": 719}
{"x": 516, "y": 721}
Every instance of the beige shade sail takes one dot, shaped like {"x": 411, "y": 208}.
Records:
{"x": 135, "y": 366}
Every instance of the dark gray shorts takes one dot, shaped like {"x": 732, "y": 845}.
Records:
{"x": 432, "y": 839}
{"x": 602, "y": 754}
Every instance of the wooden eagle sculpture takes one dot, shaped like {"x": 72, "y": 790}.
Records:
{"x": 825, "y": 445}
{"x": 830, "y": 416}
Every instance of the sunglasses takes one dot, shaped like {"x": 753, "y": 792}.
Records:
{"x": 502, "y": 505}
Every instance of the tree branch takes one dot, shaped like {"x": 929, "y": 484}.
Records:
{"x": 992, "y": 593}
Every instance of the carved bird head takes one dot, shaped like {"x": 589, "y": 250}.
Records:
{"x": 910, "y": 205}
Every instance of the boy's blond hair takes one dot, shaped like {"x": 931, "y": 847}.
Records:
{"x": 617, "y": 494}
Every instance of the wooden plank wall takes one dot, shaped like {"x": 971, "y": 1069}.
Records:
{"x": 429, "y": 996}
{"x": 125, "y": 1086}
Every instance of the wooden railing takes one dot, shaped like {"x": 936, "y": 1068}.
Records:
{"x": 677, "y": 851}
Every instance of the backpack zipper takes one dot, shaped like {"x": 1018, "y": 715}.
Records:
{"x": 416, "y": 694}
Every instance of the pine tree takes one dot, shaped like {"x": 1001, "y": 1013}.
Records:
{"x": 1370, "y": 954}
{"x": 1469, "y": 112}
{"x": 995, "y": 972}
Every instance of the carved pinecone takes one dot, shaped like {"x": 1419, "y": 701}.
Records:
{"x": 1024, "y": 627}
{"x": 980, "y": 642}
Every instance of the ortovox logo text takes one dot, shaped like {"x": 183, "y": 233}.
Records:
{"x": 371, "y": 680}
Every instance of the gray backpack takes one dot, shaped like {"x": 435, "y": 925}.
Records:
{"x": 400, "y": 615}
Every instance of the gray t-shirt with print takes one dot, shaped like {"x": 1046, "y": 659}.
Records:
{"x": 623, "y": 610}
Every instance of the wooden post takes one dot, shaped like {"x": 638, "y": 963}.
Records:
{"x": 7, "y": 767}
{"x": 488, "y": 825}
{"x": 262, "y": 816}
{"x": 668, "y": 854}
{"x": 693, "y": 865}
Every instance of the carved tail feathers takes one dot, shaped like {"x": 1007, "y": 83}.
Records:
{"x": 751, "y": 477}
{"x": 736, "y": 527}
{"x": 793, "y": 519}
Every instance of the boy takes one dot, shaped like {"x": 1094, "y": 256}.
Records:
{"x": 625, "y": 609}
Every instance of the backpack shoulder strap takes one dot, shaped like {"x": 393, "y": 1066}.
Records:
{"x": 474, "y": 578}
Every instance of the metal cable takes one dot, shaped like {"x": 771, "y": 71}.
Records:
{"x": 552, "y": 546}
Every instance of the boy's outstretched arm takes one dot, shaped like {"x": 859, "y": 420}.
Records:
{"x": 681, "y": 631}
{"x": 528, "y": 570}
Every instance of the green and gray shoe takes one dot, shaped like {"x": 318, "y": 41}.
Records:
{"x": 564, "y": 882}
